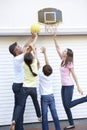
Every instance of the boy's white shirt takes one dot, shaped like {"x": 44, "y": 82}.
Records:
{"x": 45, "y": 83}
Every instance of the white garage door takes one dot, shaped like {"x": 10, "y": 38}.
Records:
{"x": 79, "y": 46}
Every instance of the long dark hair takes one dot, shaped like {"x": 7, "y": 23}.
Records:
{"x": 69, "y": 57}
{"x": 28, "y": 58}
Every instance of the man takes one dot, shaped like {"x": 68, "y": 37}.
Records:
{"x": 19, "y": 95}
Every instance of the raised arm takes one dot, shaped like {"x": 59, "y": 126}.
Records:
{"x": 27, "y": 46}
{"x": 45, "y": 55}
{"x": 57, "y": 46}
{"x": 34, "y": 38}
{"x": 38, "y": 62}
{"x": 35, "y": 55}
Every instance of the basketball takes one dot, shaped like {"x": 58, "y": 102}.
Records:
{"x": 35, "y": 28}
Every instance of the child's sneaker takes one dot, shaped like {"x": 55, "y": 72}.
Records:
{"x": 40, "y": 119}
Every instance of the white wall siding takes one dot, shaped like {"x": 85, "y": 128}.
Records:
{"x": 14, "y": 16}
{"x": 77, "y": 43}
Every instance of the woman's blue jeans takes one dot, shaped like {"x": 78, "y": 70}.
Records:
{"x": 48, "y": 101}
{"x": 67, "y": 94}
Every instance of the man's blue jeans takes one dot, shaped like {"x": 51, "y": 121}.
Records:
{"x": 19, "y": 105}
{"x": 67, "y": 94}
{"x": 48, "y": 101}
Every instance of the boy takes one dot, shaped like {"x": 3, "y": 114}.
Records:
{"x": 47, "y": 96}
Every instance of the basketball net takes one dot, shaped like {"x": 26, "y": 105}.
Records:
{"x": 51, "y": 28}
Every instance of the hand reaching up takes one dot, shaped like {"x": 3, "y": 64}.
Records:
{"x": 43, "y": 49}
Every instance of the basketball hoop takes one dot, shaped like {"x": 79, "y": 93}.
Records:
{"x": 51, "y": 28}
{"x": 50, "y": 17}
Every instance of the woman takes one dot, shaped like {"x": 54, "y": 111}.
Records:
{"x": 67, "y": 68}
{"x": 31, "y": 65}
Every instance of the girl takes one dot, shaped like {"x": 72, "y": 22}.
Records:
{"x": 31, "y": 65}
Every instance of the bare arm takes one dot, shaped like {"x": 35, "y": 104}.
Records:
{"x": 34, "y": 38}
{"x": 27, "y": 46}
{"x": 35, "y": 55}
{"x": 38, "y": 62}
{"x": 76, "y": 81}
{"x": 57, "y": 47}
{"x": 45, "y": 55}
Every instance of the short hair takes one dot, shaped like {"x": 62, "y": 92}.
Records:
{"x": 47, "y": 70}
{"x": 12, "y": 48}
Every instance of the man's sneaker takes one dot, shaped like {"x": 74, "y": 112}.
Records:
{"x": 12, "y": 127}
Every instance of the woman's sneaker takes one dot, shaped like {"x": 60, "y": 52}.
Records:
{"x": 69, "y": 127}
